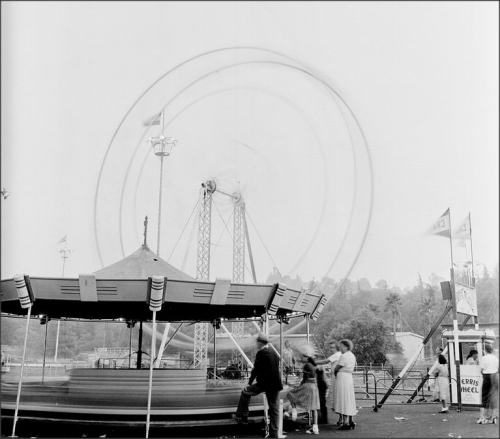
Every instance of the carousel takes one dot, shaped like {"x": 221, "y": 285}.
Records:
{"x": 143, "y": 288}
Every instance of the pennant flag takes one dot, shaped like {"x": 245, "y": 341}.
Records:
{"x": 153, "y": 120}
{"x": 63, "y": 239}
{"x": 442, "y": 226}
{"x": 463, "y": 232}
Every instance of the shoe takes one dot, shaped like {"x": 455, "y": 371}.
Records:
{"x": 312, "y": 431}
{"x": 480, "y": 421}
{"x": 444, "y": 410}
{"x": 435, "y": 400}
{"x": 240, "y": 419}
{"x": 352, "y": 425}
{"x": 286, "y": 415}
{"x": 345, "y": 427}
{"x": 493, "y": 420}
{"x": 339, "y": 422}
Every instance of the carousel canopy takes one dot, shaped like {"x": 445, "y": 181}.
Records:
{"x": 140, "y": 265}
{"x": 123, "y": 291}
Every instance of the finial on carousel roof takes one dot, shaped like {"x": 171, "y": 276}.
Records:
{"x": 145, "y": 230}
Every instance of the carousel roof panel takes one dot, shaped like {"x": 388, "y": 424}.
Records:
{"x": 129, "y": 299}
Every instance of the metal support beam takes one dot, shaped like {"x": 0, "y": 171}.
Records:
{"x": 415, "y": 356}
{"x": 203, "y": 268}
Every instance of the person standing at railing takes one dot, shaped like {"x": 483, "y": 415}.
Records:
{"x": 333, "y": 359}
{"x": 345, "y": 398}
{"x": 288, "y": 359}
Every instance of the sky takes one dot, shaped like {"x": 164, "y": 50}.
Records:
{"x": 348, "y": 128}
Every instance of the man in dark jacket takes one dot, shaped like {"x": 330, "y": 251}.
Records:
{"x": 267, "y": 374}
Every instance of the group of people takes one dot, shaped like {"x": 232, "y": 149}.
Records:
{"x": 312, "y": 394}
{"x": 488, "y": 364}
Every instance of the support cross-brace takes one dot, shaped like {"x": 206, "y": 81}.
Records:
{"x": 403, "y": 372}
{"x": 428, "y": 374}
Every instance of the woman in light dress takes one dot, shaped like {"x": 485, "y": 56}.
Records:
{"x": 345, "y": 398}
{"x": 333, "y": 359}
{"x": 442, "y": 382}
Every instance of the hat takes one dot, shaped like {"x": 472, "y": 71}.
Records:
{"x": 262, "y": 338}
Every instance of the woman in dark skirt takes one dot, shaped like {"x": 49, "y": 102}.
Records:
{"x": 306, "y": 395}
{"x": 489, "y": 391}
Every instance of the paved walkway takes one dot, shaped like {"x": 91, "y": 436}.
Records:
{"x": 420, "y": 421}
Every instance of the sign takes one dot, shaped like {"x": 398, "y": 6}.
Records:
{"x": 466, "y": 299}
{"x": 470, "y": 384}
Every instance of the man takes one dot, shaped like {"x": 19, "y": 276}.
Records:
{"x": 266, "y": 372}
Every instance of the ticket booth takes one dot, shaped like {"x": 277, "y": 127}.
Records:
{"x": 470, "y": 375}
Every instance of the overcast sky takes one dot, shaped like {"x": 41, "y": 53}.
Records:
{"x": 421, "y": 79}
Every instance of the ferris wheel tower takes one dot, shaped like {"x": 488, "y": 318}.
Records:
{"x": 240, "y": 239}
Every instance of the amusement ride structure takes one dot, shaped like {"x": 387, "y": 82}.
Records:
{"x": 141, "y": 287}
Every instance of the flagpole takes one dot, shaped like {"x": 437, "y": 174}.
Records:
{"x": 451, "y": 246}
{"x": 471, "y": 253}
{"x": 64, "y": 255}
{"x": 476, "y": 319}
{"x": 455, "y": 323}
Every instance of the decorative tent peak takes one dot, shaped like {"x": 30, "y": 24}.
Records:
{"x": 141, "y": 264}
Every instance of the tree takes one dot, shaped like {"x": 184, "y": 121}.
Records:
{"x": 392, "y": 304}
{"x": 427, "y": 309}
{"x": 370, "y": 335}
{"x": 375, "y": 309}
{"x": 382, "y": 285}
{"x": 364, "y": 284}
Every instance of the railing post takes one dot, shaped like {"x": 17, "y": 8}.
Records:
{"x": 366, "y": 380}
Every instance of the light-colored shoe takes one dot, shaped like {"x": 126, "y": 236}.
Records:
{"x": 445, "y": 410}
{"x": 480, "y": 421}
{"x": 312, "y": 431}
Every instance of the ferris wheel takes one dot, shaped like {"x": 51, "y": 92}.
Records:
{"x": 279, "y": 144}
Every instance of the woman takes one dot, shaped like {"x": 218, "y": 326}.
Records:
{"x": 306, "y": 395}
{"x": 345, "y": 399}
{"x": 489, "y": 391}
{"x": 472, "y": 358}
{"x": 333, "y": 359}
{"x": 442, "y": 382}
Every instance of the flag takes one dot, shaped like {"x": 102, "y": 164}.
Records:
{"x": 63, "y": 239}
{"x": 442, "y": 226}
{"x": 153, "y": 120}
{"x": 463, "y": 232}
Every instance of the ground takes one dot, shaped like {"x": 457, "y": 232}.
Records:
{"x": 420, "y": 421}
